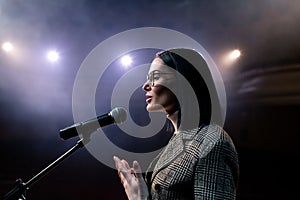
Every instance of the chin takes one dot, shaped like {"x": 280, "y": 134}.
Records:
{"x": 155, "y": 108}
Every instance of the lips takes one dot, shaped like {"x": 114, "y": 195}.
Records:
{"x": 148, "y": 99}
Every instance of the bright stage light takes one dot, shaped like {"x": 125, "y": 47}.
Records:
{"x": 53, "y": 56}
{"x": 126, "y": 60}
{"x": 230, "y": 58}
{"x": 235, "y": 54}
{"x": 7, "y": 46}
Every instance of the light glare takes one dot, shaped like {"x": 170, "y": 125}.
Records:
{"x": 235, "y": 54}
{"x": 53, "y": 56}
{"x": 7, "y": 46}
{"x": 126, "y": 60}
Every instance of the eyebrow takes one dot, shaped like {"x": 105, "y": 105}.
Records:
{"x": 154, "y": 71}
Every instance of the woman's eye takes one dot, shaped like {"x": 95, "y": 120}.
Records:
{"x": 155, "y": 76}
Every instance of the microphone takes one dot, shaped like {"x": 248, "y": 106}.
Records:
{"x": 115, "y": 116}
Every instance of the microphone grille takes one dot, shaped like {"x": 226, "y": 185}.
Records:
{"x": 119, "y": 114}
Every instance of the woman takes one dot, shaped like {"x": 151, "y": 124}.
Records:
{"x": 200, "y": 160}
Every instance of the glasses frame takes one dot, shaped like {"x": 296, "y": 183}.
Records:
{"x": 151, "y": 76}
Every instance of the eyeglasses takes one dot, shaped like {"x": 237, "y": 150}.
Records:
{"x": 155, "y": 75}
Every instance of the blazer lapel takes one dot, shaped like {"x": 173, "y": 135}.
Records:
{"x": 171, "y": 152}
{"x": 175, "y": 147}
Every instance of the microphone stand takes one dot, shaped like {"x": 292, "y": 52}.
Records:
{"x": 18, "y": 192}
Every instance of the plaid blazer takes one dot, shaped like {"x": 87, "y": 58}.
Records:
{"x": 196, "y": 164}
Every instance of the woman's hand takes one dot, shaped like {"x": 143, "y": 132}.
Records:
{"x": 132, "y": 179}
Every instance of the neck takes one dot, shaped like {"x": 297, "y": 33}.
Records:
{"x": 174, "y": 119}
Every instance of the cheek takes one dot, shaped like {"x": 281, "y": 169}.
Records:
{"x": 164, "y": 95}
{"x": 158, "y": 90}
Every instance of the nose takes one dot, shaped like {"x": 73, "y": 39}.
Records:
{"x": 147, "y": 87}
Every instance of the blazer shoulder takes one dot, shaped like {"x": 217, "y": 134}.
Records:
{"x": 211, "y": 136}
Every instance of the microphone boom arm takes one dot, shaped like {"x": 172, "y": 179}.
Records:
{"x": 19, "y": 191}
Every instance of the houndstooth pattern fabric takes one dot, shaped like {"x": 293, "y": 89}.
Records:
{"x": 196, "y": 164}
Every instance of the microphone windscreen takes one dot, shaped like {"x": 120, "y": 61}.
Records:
{"x": 119, "y": 114}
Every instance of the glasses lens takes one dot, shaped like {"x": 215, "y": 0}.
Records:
{"x": 150, "y": 78}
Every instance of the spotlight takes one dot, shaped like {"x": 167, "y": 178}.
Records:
{"x": 235, "y": 54}
{"x": 53, "y": 56}
{"x": 7, "y": 46}
{"x": 126, "y": 60}
{"x": 230, "y": 59}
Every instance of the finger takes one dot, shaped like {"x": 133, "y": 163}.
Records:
{"x": 137, "y": 169}
{"x": 122, "y": 178}
{"x": 120, "y": 165}
{"x": 132, "y": 171}
{"x": 124, "y": 169}
{"x": 125, "y": 163}
{"x": 124, "y": 175}
{"x": 117, "y": 160}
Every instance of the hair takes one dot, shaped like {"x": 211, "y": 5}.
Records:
{"x": 178, "y": 60}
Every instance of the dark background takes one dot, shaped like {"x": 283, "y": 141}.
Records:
{"x": 263, "y": 87}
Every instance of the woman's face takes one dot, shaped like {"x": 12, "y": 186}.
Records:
{"x": 159, "y": 97}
